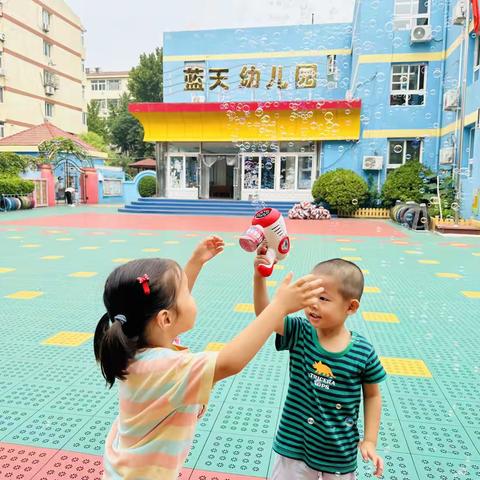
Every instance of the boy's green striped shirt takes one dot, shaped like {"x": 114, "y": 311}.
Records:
{"x": 319, "y": 420}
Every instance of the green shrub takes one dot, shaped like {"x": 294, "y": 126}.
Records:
{"x": 147, "y": 186}
{"x": 10, "y": 185}
{"x": 342, "y": 189}
{"x": 406, "y": 183}
{"x": 12, "y": 164}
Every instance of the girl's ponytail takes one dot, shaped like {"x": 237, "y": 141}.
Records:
{"x": 134, "y": 293}
{"x": 113, "y": 349}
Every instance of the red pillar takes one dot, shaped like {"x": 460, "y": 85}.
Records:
{"x": 46, "y": 172}
{"x": 89, "y": 185}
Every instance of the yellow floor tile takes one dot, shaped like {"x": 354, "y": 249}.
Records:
{"x": 83, "y": 274}
{"x": 343, "y": 240}
{"x": 16, "y": 237}
{"x": 171, "y": 242}
{"x": 244, "y": 308}
{"x": 98, "y": 233}
{"x": 6, "y": 269}
{"x": 408, "y": 367}
{"x": 52, "y": 257}
{"x": 144, "y": 234}
{"x": 448, "y": 275}
{"x": 400, "y": 242}
{"x": 214, "y": 347}
{"x": 230, "y": 244}
{"x": 150, "y": 250}
{"x": 365, "y": 272}
{"x": 89, "y": 248}
{"x": 64, "y": 239}
{"x": 122, "y": 260}
{"x": 55, "y": 231}
{"x": 279, "y": 267}
{"x": 429, "y": 262}
{"x": 413, "y": 252}
{"x": 458, "y": 244}
{"x": 117, "y": 241}
{"x": 380, "y": 317}
{"x": 476, "y": 254}
{"x": 348, "y": 249}
{"x": 271, "y": 283}
{"x": 191, "y": 235}
{"x": 352, "y": 259}
{"x": 68, "y": 339}
{"x": 371, "y": 290}
{"x": 471, "y": 294}
{"x": 25, "y": 295}
{"x": 31, "y": 245}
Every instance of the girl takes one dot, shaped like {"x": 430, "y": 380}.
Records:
{"x": 163, "y": 387}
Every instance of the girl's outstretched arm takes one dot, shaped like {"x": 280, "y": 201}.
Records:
{"x": 207, "y": 249}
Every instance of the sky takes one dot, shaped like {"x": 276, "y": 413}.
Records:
{"x": 118, "y": 31}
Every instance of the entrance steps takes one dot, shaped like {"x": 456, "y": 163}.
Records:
{"x": 171, "y": 206}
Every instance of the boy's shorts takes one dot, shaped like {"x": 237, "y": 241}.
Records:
{"x": 288, "y": 469}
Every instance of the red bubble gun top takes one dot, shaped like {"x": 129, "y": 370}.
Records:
{"x": 268, "y": 227}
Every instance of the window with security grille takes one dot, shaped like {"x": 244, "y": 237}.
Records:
{"x": 408, "y": 85}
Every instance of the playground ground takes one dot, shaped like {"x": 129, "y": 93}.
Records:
{"x": 420, "y": 309}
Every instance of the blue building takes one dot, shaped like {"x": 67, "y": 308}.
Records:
{"x": 266, "y": 110}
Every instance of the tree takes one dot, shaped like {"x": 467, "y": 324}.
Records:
{"x": 95, "y": 140}
{"x": 12, "y": 164}
{"x": 95, "y": 122}
{"x": 126, "y": 132}
{"x": 145, "y": 82}
{"x": 50, "y": 150}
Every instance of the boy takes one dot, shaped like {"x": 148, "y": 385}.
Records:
{"x": 329, "y": 367}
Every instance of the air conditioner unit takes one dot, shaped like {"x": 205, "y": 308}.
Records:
{"x": 49, "y": 89}
{"x": 421, "y": 34}
{"x": 447, "y": 155}
{"x": 459, "y": 13}
{"x": 45, "y": 27}
{"x": 2, "y": 37}
{"x": 372, "y": 163}
{"x": 451, "y": 100}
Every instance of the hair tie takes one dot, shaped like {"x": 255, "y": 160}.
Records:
{"x": 120, "y": 318}
{"x": 143, "y": 281}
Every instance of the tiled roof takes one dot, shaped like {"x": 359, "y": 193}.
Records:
{"x": 36, "y": 135}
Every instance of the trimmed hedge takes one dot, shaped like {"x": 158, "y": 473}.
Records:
{"x": 342, "y": 189}
{"x": 406, "y": 183}
{"x": 147, "y": 186}
{"x": 14, "y": 185}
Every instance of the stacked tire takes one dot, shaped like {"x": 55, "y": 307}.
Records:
{"x": 19, "y": 202}
{"x": 308, "y": 211}
{"x": 411, "y": 215}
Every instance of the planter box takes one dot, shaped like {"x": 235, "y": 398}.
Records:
{"x": 368, "y": 213}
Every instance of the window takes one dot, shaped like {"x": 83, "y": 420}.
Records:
{"x": 471, "y": 142}
{"x": 268, "y": 173}
{"x": 1, "y": 60}
{"x": 84, "y": 118}
{"x": 287, "y": 172}
{"x": 331, "y": 68}
{"x": 1, "y": 94}
{"x": 83, "y": 92}
{"x": 45, "y": 20}
{"x": 251, "y": 171}
{"x": 176, "y": 171}
{"x": 102, "y": 103}
{"x": 98, "y": 85}
{"x": 191, "y": 167}
{"x": 402, "y": 151}
{"x": 408, "y": 85}
{"x": 2, "y": 129}
{"x": 304, "y": 174}
{"x": 114, "y": 85}
{"x": 410, "y": 13}
{"x": 49, "y": 78}
{"x": 112, "y": 103}
{"x": 47, "y": 49}
{"x": 48, "y": 109}
{"x": 476, "y": 59}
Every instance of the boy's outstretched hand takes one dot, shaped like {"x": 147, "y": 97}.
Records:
{"x": 207, "y": 249}
{"x": 369, "y": 452}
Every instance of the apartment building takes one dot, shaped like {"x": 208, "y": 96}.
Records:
{"x": 42, "y": 75}
{"x": 105, "y": 88}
